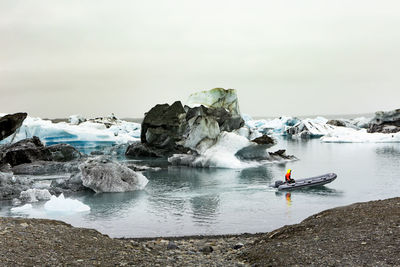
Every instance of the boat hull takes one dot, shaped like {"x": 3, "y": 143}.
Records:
{"x": 307, "y": 182}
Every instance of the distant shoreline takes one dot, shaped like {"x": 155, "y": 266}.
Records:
{"x": 340, "y": 116}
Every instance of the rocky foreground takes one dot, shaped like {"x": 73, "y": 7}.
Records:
{"x": 360, "y": 234}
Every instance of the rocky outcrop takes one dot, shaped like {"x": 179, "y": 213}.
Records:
{"x": 24, "y": 151}
{"x": 164, "y": 125}
{"x": 336, "y": 123}
{"x": 63, "y": 152}
{"x": 31, "y": 149}
{"x": 264, "y": 140}
{"x": 140, "y": 150}
{"x": 10, "y": 123}
{"x": 385, "y": 122}
{"x": 102, "y": 174}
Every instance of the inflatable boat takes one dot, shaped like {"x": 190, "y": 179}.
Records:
{"x": 307, "y": 182}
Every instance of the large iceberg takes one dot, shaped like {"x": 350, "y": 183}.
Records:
{"x": 86, "y": 133}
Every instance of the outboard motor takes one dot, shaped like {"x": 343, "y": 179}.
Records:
{"x": 278, "y": 183}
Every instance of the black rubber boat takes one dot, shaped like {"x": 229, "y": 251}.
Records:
{"x": 307, "y": 182}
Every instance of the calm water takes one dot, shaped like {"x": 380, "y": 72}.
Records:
{"x": 187, "y": 201}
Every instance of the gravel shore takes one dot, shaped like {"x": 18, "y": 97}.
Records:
{"x": 359, "y": 234}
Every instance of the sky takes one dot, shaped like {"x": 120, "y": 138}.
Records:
{"x": 94, "y": 57}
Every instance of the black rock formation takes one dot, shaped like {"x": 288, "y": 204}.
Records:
{"x": 10, "y": 123}
{"x": 31, "y": 149}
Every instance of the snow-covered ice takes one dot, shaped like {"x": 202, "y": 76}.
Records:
{"x": 62, "y": 204}
{"x": 348, "y": 135}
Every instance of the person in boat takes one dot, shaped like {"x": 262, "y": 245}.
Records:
{"x": 288, "y": 178}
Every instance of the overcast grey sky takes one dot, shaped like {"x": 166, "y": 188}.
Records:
{"x": 94, "y": 57}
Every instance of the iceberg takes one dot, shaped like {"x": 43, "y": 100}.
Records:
{"x": 62, "y": 204}
{"x": 85, "y": 134}
{"x": 277, "y": 126}
{"x": 22, "y": 209}
{"x": 310, "y": 128}
{"x": 349, "y": 135}
{"x": 216, "y": 98}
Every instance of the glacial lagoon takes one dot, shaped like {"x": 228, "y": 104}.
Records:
{"x": 206, "y": 201}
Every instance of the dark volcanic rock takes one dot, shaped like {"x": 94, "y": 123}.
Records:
{"x": 10, "y": 123}
{"x": 24, "y": 151}
{"x": 163, "y": 125}
{"x": 64, "y": 152}
{"x": 281, "y": 154}
{"x": 385, "y": 122}
{"x": 137, "y": 150}
{"x": 336, "y": 123}
{"x": 264, "y": 140}
{"x": 31, "y": 149}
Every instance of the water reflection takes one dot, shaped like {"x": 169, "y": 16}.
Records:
{"x": 109, "y": 205}
{"x": 316, "y": 191}
{"x": 191, "y": 191}
{"x": 288, "y": 196}
{"x": 204, "y": 208}
{"x": 388, "y": 151}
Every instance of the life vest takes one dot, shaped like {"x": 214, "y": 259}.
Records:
{"x": 287, "y": 176}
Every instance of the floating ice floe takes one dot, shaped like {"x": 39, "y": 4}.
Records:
{"x": 77, "y": 132}
{"x": 22, "y": 209}
{"x": 62, "y": 204}
{"x": 348, "y": 135}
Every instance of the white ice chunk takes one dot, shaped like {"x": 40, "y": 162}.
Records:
{"x": 61, "y": 204}
{"x": 349, "y": 135}
{"x": 76, "y": 119}
{"x": 22, "y": 209}
{"x": 221, "y": 154}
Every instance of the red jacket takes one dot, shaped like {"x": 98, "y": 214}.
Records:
{"x": 287, "y": 176}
